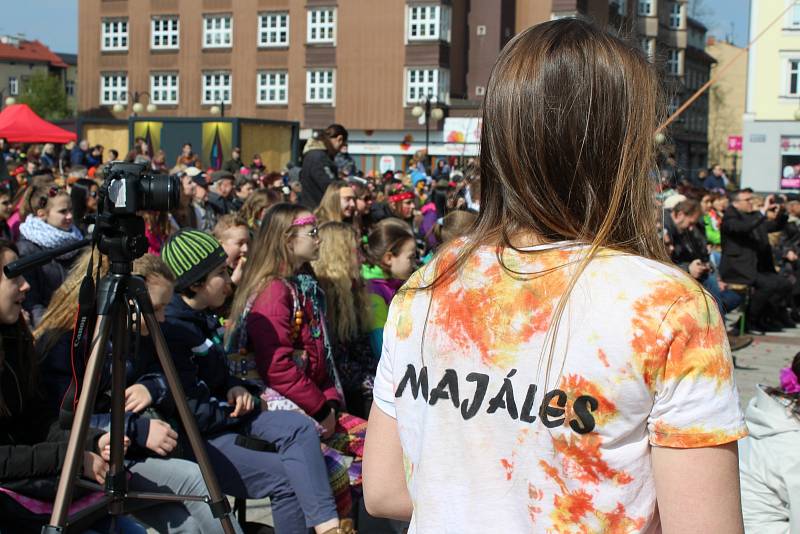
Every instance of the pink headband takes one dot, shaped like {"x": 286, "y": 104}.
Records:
{"x": 302, "y": 221}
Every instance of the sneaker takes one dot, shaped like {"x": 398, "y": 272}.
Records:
{"x": 739, "y": 342}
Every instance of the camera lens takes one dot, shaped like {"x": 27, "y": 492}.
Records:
{"x": 160, "y": 192}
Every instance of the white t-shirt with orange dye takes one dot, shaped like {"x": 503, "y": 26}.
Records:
{"x": 641, "y": 359}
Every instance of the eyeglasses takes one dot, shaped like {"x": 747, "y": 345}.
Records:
{"x": 92, "y": 193}
{"x": 313, "y": 233}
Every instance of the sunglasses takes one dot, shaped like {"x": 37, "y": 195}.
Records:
{"x": 313, "y": 233}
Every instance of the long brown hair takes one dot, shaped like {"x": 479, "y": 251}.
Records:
{"x": 570, "y": 164}
{"x": 270, "y": 257}
{"x": 389, "y": 235}
{"x": 28, "y": 379}
{"x": 338, "y": 272}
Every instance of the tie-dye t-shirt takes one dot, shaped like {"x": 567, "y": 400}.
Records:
{"x": 641, "y": 359}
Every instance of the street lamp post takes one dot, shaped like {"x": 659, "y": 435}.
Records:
{"x": 425, "y": 109}
{"x": 218, "y": 109}
{"x": 137, "y": 106}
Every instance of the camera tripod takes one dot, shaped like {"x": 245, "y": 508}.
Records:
{"x": 122, "y": 239}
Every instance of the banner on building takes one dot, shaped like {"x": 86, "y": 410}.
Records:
{"x": 790, "y": 163}
{"x": 462, "y": 130}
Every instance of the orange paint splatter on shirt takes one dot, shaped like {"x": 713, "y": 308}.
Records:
{"x": 601, "y": 355}
{"x": 583, "y": 460}
{"x": 534, "y": 508}
{"x": 666, "y": 435}
{"x": 497, "y": 313}
{"x": 575, "y": 386}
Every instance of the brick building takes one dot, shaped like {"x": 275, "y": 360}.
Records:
{"x": 363, "y": 63}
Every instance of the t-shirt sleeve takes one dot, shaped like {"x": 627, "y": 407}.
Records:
{"x": 696, "y": 402}
{"x": 383, "y": 390}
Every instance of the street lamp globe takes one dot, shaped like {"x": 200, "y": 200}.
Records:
{"x": 138, "y": 107}
{"x": 118, "y": 108}
{"x": 437, "y": 114}
{"x": 215, "y": 110}
{"x": 10, "y": 101}
{"x": 418, "y": 111}
{"x": 660, "y": 138}
{"x": 152, "y": 108}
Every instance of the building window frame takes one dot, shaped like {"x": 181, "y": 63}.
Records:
{"x": 273, "y": 29}
{"x": 165, "y": 88}
{"x": 13, "y": 86}
{"x": 217, "y": 86}
{"x": 321, "y": 25}
{"x": 321, "y": 86}
{"x": 113, "y": 88}
{"x": 648, "y": 45}
{"x": 792, "y": 21}
{"x": 646, "y": 8}
{"x": 677, "y": 16}
{"x": 426, "y": 81}
{"x": 272, "y": 87}
{"x": 217, "y": 30}
{"x": 165, "y": 32}
{"x": 428, "y": 22}
{"x": 69, "y": 87}
{"x": 114, "y": 35}
{"x": 792, "y": 73}
{"x": 674, "y": 64}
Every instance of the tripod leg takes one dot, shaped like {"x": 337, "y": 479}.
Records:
{"x": 116, "y": 480}
{"x": 219, "y": 503}
{"x": 80, "y": 426}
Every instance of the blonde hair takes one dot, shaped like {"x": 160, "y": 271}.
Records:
{"x": 270, "y": 259}
{"x": 337, "y": 270}
{"x": 59, "y": 317}
{"x": 255, "y": 203}
{"x": 226, "y": 222}
{"x": 330, "y": 207}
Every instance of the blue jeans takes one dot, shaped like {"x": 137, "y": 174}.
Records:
{"x": 726, "y": 300}
{"x": 294, "y": 478}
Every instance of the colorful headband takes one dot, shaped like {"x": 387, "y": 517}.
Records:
{"x": 303, "y": 221}
{"x": 401, "y": 197}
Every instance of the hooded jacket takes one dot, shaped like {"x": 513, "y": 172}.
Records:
{"x": 317, "y": 173}
{"x": 195, "y": 341}
{"x": 381, "y": 290}
{"x": 769, "y": 466}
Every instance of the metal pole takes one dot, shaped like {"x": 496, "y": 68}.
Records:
{"x": 222, "y": 108}
{"x": 427, "y": 127}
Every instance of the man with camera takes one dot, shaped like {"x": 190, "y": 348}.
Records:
{"x": 747, "y": 259}
{"x": 690, "y": 252}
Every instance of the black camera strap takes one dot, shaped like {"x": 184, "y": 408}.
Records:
{"x": 82, "y": 335}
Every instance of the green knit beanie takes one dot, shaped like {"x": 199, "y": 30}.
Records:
{"x": 192, "y": 255}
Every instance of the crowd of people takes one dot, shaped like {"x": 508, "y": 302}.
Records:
{"x": 272, "y": 289}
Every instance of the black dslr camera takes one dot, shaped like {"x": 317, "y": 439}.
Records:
{"x": 128, "y": 190}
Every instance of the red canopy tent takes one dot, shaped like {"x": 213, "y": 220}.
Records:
{"x": 19, "y": 124}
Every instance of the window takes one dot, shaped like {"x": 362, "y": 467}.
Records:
{"x": 676, "y": 16}
{"x": 217, "y": 31}
{"x": 646, "y": 8}
{"x": 273, "y": 29}
{"x": 13, "y": 86}
{"x": 648, "y": 45}
{"x": 164, "y": 88}
{"x": 674, "y": 104}
{"x": 114, "y": 88}
{"x": 70, "y": 87}
{"x": 433, "y": 83}
{"x": 428, "y": 23}
{"x": 320, "y": 87}
{"x": 273, "y": 87}
{"x": 794, "y": 18}
{"x": 675, "y": 62}
{"x": 322, "y": 25}
{"x": 216, "y": 87}
{"x": 621, "y": 8}
{"x": 114, "y": 34}
{"x": 794, "y": 77}
{"x": 164, "y": 33}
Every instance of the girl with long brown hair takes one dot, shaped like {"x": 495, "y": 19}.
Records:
{"x": 553, "y": 358}
{"x": 278, "y": 316}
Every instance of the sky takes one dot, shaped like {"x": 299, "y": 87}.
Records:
{"x": 55, "y": 22}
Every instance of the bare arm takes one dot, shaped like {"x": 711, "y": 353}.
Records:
{"x": 385, "y": 491}
{"x": 698, "y": 489}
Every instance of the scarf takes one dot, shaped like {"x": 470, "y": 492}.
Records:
{"x": 48, "y": 237}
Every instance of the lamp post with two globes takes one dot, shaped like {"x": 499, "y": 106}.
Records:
{"x": 425, "y": 109}
{"x": 137, "y": 106}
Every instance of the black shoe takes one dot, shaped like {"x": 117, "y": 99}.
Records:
{"x": 759, "y": 328}
{"x": 739, "y": 342}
